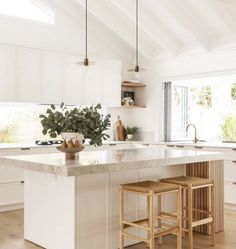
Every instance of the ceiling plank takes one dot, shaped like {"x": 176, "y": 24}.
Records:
{"x": 184, "y": 18}
{"x": 105, "y": 12}
{"x": 155, "y": 32}
{"x": 222, "y": 14}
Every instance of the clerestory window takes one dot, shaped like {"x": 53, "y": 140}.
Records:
{"x": 34, "y": 10}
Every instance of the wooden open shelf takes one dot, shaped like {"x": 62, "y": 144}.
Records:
{"x": 132, "y": 106}
{"x": 132, "y": 85}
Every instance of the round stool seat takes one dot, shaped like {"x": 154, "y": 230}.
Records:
{"x": 187, "y": 180}
{"x": 146, "y": 186}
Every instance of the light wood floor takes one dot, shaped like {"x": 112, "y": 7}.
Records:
{"x": 11, "y": 234}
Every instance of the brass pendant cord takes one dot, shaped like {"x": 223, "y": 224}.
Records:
{"x": 136, "y": 69}
{"x": 86, "y": 29}
{"x": 86, "y": 61}
{"x": 137, "y": 33}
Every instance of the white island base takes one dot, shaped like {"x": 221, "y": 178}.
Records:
{"x": 82, "y": 212}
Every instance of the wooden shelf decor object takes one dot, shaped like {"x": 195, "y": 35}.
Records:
{"x": 132, "y": 84}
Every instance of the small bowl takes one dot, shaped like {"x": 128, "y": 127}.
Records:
{"x": 70, "y": 152}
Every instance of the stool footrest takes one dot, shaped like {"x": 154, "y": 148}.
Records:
{"x": 202, "y": 222}
{"x": 198, "y": 210}
{"x": 136, "y": 224}
{"x": 166, "y": 215}
{"x": 135, "y": 237}
{"x": 166, "y": 231}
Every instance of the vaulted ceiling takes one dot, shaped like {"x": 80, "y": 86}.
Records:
{"x": 170, "y": 28}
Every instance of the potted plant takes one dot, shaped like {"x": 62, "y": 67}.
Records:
{"x": 131, "y": 131}
{"x": 76, "y": 123}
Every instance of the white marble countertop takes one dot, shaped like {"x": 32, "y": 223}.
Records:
{"x": 8, "y": 146}
{"x": 90, "y": 162}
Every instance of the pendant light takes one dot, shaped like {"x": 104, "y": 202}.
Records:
{"x": 86, "y": 61}
{"x": 137, "y": 69}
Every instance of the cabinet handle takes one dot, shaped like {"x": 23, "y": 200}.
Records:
{"x": 112, "y": 144}
{"x": 12, "y": 183}
{"x": 25, "y": 148}
{"x": 198, "y": 147}
{"x": 145, "y": 144}
{"x": 234, "y": 149}
{"x": 170, "y": 146}
{"x": 233, "y": 161}
{"x": 234, "y": 183}
{"x": 179, "y": 146}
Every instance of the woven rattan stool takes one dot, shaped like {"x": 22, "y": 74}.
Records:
{"x": 152, "y": 225}
{"x": 191, "y": 215}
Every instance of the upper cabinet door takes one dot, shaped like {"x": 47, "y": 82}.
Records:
{"x": 8, "y": 69}
{"x": 92, "y": 80}
{"x": 73, "y": 81}
{"x": 111, "y": 83}
{"x": 29, "y": 75}
{"x": 53, "y": 78}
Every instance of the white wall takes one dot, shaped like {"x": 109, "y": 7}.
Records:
{"x": 66, "y": 35}
{"x": 213, "y": 63}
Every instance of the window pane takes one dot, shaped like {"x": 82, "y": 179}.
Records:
{"x": 179, "y": 111}
{"x": 209, "y": 103}
{"x": 27, "y": 9}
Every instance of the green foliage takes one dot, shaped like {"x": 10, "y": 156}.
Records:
{"x": 87, "y": 121}
{"x": 202, "y": 97}
{"x": 131, "y": 130}
{"x": 229, "y": 128}
{"x": 233, "y": 92}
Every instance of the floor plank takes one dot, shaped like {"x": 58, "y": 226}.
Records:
{"x": 11, "y": 234}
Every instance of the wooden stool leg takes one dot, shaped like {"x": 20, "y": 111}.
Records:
{"x": 179, "y": 217}
{"x": 184, "y": 213}
{"x": 212, "y": 210}
{"x": 151, "y": 209}
{"x": 190, "y": 217}
{"x": 159, "y": 220}
{"x": 121, "y": 218}
{"x": 148, "y": 222}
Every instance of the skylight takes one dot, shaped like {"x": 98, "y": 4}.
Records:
{"x": 27, "y": 9}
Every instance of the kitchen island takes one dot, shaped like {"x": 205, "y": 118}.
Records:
{"x": 75, "y": 204}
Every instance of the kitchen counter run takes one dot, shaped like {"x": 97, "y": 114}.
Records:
{"x": 90, "y": 162}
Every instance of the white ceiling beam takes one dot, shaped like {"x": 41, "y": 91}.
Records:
{"x": 104, "y": 11}
{"x": 184, "y": 18}
{"x": 149, "y": 26}
{"x": 222, "y": 14}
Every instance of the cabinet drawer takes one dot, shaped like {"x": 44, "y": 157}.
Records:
{"x": 12, "y": 193}
{"x": 230, "y": 192}
{"x": 230, "y": 170}
{"x": 10, "y": 174}
{"x": 28, "y": 151}
{"x": 229, "y": 154}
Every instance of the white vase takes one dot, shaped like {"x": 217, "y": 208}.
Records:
{"x": 130, "y": 136}
{"x": 67, "y": 136}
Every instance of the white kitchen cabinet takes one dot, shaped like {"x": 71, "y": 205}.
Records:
{"x": 230, "y": 192}
{"x": 98, "y": 83}
{"x": 8, "y": 69}
{"x": 12, "y": 179}
{"x": 92, "y": 83}
{"x": 53, "y": 78}
{"x": 29, "y": 75}
{"x": 111, "y": 83}
{"x": 73, "y": 81}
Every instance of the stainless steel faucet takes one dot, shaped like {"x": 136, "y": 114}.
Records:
{"x": 195, "y": 140}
